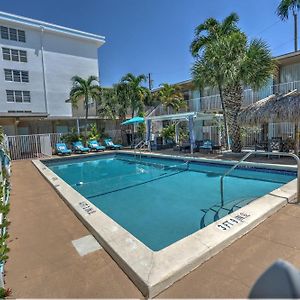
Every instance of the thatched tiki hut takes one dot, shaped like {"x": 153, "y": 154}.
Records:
{"x": 275, "y": 108}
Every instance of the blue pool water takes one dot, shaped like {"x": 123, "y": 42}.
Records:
{"x": 161, "y": 201}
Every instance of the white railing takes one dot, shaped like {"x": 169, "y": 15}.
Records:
{"x": 213, "y": 102}
{"x": 192, "y": 105}
{"x": 32, "y": 146}
{"x": 210, "y": 103}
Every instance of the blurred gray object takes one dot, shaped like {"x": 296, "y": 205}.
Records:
{"x": 280, "y": 280}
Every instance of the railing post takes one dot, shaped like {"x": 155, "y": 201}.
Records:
{"x": 36, "y": 145}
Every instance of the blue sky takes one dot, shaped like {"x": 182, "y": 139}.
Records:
{"x": 154, "y": 35}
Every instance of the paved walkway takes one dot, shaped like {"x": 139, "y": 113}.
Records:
{"x": 44, "y": 264}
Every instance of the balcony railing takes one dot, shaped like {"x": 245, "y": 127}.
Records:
{"x": 213, "y": 103}
{"x": 192, "y": 105}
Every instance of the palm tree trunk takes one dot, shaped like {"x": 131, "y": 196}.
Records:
{"x": 233, "y": 96}
{"x": 226, "y": 136}
{"x": 295, "y": 31}
{"x": 86, "y": 116}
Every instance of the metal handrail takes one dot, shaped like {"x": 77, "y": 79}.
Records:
{"x": 263, "y": 153}
{"x": 140, "y": 146}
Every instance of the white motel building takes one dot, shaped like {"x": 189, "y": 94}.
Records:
{"x": 37, "y": 63}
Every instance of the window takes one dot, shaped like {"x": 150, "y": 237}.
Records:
{"x": 8, "y": 75}
{"x": 18, "y": 96}
{"x": 10, "y": 96}
{"x": 6, "y": 53}
{"x": 16, "y": 75}
{"x": 21, "y": 36}
{"x": 12, "y": 34}
{"x": 25, "y": 76}
{"x": 4, "y": 32}
{"x": 23, "y": 56}
{"x": 26, "y": 96}
{"x": 14, "y": 54}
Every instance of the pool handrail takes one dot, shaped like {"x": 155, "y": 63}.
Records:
{"x": 141, "y": 145}
{"x": 268, "y": 154}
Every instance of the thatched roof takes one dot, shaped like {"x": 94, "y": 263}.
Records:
{"x": 275, "y": 108}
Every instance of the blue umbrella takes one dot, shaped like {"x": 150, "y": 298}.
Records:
{"x": 134, "y": 120}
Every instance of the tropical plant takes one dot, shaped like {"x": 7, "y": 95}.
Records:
{"x": 84, "y": 90}
{"x": 93, "y": 134}
{"x": 168, "y": 132}
{"x": 4, "y": 207}
{"x": 171, "y": 97}
{"x": 239, "y": 63}
{"x": 107, "y": 103}
{"x": 204, "y": 72}
{"x": 5, "y": 292}
{"x": 283, "y": 9}
{"x": 71, "y": 137}
{"x": 132, "y": 86}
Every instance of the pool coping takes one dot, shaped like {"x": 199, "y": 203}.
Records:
{"x": 154, "y": 271}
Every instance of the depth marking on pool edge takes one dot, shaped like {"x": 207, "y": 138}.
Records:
{"x": 86, "y": 207}
{"x": 232, "y": 221}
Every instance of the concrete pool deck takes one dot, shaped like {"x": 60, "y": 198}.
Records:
{"x": 44, "y": 263}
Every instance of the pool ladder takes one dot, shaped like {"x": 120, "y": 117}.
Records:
{"x": 140, "y": 146}
{"x": 262, "y": 153}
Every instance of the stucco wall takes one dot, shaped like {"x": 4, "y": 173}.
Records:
{"x": 64, "y": 57}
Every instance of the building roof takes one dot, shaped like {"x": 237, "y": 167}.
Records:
{"x": 284, "y": 59}
{"x": 288, "y": 58}
{"x": 48, "y": 27}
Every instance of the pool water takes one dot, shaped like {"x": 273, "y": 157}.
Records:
{"x": 161, "y": 201}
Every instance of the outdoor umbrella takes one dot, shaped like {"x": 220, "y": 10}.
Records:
{"x": 134, "y": 120}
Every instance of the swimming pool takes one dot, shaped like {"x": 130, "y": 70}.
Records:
{"x": 161, "y": 201}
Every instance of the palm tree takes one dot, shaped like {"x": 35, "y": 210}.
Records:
{"x": 137, "y": 93}
{"x": 283, "y": 10}
{"x": 171, "y": 97}
{"x": 86, "y": 90}
{"x": 243, "y": 63}
{"x": 236, "y": 63}
{"x": 205, "y": 34}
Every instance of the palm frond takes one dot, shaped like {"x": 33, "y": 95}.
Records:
{"x": 91, "y": 79}
{"x": 285, "y": 6}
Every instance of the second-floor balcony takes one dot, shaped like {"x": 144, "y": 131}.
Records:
{"x": 213, "y": 103}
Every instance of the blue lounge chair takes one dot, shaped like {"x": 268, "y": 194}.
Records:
{"x": 109, "y": 144}
{"x": 94, "y": 145}
{"x": 62, "y": 149}
{"x": 79, "y": 148}
{"x": 207, "y": 145}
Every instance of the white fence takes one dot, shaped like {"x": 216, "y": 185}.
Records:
{"x": 251, "y": 136}
{"x": 41, "y": 145}
{"x": 32, "y": 146}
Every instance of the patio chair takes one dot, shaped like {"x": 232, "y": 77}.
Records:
{"x": 61, "y": 149}
{"x": 110, "y": 145}
{"x": 95, "y": 146}
{"x": 207, "y": 146}
{"x": 263, "y": 145}
{"x": 79, "y": 148}
{"x": 280, "y": 280}
{"x": 276, "y": 144}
